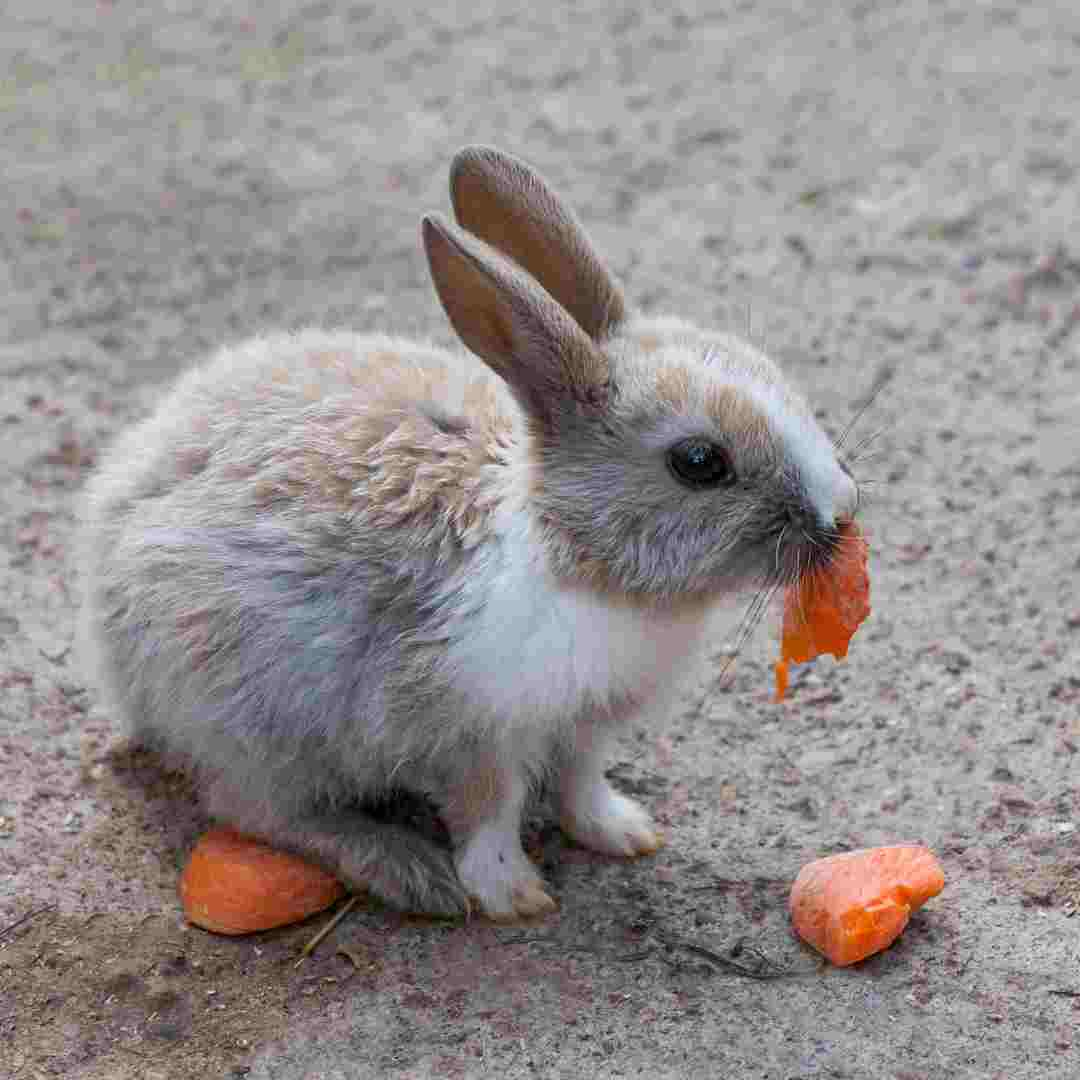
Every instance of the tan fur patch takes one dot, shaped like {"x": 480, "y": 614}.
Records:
{"x": 265, "y": 492}
{"x": 384, "y": 358}
{"x": 673, "y": 387}
{"x": 647, "y": 343}
{"x": 386, "y": 458}
{"x": 329, "y": 359}
{"x": 734, "y": 411}
{"x": 387, "y": 367}
{"x": 426, "y": 478}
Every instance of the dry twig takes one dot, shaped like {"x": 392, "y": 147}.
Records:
{"x": 26, "y": 918}
{"x": 313, "y": 944}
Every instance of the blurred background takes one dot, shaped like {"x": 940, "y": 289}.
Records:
{"x": 176, "y": 173}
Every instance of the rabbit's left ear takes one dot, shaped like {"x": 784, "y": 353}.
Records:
{"x": 514, "y": 326}
{"x": 501, "y": 200}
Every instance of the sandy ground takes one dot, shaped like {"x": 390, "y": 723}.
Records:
{"x": 884, "y": 194}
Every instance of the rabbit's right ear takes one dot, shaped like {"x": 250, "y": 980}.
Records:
{"x": 509, "y": 206}
{"x": 514, "y": 325}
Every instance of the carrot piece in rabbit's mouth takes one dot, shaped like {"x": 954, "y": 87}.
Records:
{"x": 826, "y": 606}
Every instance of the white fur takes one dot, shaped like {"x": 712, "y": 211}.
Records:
{"x": 601, "y": 819}
{"x": 808, "y": 450}
{"x": 493, "y": 869}
{"x": 830, "y": 491}
{"x": 540, "y": 650}
{"x": 592, "y": 811}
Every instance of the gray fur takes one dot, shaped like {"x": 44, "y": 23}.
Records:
{"x": 293, "y": 569}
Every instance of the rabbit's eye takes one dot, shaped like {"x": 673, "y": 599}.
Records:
{"x": 698, "y": 463}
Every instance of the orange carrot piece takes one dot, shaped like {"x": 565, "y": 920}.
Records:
{"x": 853, "y": 905}
{"x": 825, "y": 607}
{"x": 233, "y": 884}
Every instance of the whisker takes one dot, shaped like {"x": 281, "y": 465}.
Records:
{"x": 855, "y": 453}
{"x": 876, "y": 456}
{"x": 755, "y": 612}
{"x": 798, "y": 576}
{"x": 884, "y": 377}
{"x": 779, "y": 543}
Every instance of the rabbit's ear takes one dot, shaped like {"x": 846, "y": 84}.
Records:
{"x": 501, "y": 200}
{"x": 513, "y": 325}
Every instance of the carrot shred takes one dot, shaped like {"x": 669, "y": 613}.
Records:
{"x": 825, "y": 607}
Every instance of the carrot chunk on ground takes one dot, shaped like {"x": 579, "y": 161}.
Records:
{"x": 233, "y": 884}
{"x": 825, "y": 607}
{"x": 853, "y": 905}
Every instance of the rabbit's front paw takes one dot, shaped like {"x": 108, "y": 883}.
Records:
{"x": 601, "y": 819}
{"x": 500, "y": 880}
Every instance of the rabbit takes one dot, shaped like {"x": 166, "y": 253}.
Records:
{"x": 333, "y": 567}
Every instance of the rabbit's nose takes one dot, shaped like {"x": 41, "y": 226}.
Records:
{"x": 845, "y": 499}
{"x": 828, "y": 506}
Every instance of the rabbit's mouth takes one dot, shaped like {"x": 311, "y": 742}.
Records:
{"x": 804, "y": 546}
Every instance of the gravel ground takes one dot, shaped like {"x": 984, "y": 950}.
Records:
{"x": 884, "y": 194}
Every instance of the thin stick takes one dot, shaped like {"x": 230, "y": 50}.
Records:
{"x": 764, "y": 968}
{"x": 614, "y": 958}
{"x": 26, "y": 918}
{"x": 313, "y": 944}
